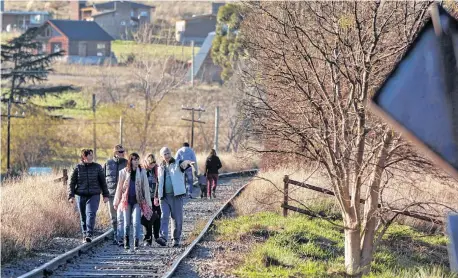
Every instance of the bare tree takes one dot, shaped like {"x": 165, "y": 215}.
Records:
{"x": 310, "y": 69}
{"x": 155, "y": 75}
{"x": 238, "y": 123}
{"x": 110, "y": 85}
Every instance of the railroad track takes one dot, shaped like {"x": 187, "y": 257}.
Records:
{"x": 102, "y": 258}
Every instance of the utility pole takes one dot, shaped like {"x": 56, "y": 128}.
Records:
{"x": 215, "y": 146}
{"x": 120, "y": 130}
{"x": 95, "y": 143}
{"x": 193, "y": 120}
{"x": 192, "y": 64}
{"x": 10, "y": 102}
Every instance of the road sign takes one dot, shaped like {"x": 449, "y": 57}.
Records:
{"x": 420, "y": 96}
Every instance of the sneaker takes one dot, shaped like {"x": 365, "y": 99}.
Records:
{"x": 175, "y": 243}
{"x": 88, "y": 239}
{"x": 120, "y": 243}
{"x": 136, "y": 243}
{"x": 214, "y": 195}
{"x": 126, "y": 243}
{"x": 190, "y": 196}
{"x": 161, "y": 241}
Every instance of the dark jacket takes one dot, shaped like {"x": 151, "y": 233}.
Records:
{"x": 111, "y": 170}
{"x": 212, "y": 165}
{"x": 87, "y": 179}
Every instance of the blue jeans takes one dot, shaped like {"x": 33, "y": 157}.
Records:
{"x": 87, "y": 207}
{"x": 189, "y": 180}
{"x": 117, "y": 220}
{"x": 133, "y": 213}
{"x": 171, "y": 206}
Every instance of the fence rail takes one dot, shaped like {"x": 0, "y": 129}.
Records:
{"x": 63, "y": 179}
{"x": 286, "y": 206}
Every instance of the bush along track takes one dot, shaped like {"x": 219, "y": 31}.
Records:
{"x": 100, "y": 258}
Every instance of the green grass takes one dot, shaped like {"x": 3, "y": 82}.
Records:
{"x": 124, "y": 48}
{"x": 299, "y": 247}
{"x": 81, "y": 109}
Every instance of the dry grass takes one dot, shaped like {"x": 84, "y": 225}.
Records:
{"x": 35, "y": 210}
{"x": 232, "y": 162}
{"x": 265, "y": 193}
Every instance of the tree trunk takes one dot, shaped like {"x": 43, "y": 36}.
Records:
{"x": 371, "y": 206}
{"x": 352, "y": 250}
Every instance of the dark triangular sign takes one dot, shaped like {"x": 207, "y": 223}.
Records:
{"x": 420, "y": 96}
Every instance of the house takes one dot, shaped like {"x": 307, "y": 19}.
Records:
{"x": 118, "y": 18}
{"x": 205, "y": 70}
{"x": 19, "y": 21}
{"x": 197, "y": 27}
{"x": 83, "y": 41}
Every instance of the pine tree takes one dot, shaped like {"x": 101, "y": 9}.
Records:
{"x": 226, "y": 47}
{"x": 25, "y": 68}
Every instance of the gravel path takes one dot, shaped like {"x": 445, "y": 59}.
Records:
{"x": 153, "y": 261}
{"x": 57, "y": 246}
{"x": 211, "y": 258}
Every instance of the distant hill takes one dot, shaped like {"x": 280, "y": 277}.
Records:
{"x": 170, "y": 11}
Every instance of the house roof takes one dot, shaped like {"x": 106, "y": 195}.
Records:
{"x": 81, "y": 30}
{"x": 111, "y": 5}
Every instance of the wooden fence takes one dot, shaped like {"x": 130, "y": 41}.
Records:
{"x": 286, "y": 206}
{"x": 64, "y": 178}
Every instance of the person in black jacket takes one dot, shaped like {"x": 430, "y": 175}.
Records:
{"x": 212, "y": 165}
{"x": 86, "y": 183}
{"x": 111, "y": 169}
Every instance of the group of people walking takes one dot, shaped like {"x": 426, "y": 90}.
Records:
{"x": 140, "y": 193}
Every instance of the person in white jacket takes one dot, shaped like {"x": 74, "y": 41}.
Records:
{"x": 186, "y": 153}
{"x": 133, "y": 198}
{"x": 170, "y": 193}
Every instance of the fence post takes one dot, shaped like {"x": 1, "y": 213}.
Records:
{"x": 285, "y": 195}
{"x": 65, "y": 177}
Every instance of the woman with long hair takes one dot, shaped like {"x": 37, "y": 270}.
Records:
{"x": 212, "y": 165}
{"x": 153, "y": 226}
{"x": 133, "y": 198}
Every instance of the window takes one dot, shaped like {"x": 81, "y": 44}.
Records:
{"x": 100, "y": 46}
{"x": 144, "y": 13}
{"x": 123, "y": 23}
{"x": 100, "y": 54}
{"x": 36, "y": 19}
{"x": 56, "y": 47}
{"x": 132, "y": 13}
{"x": 48, "y": 32}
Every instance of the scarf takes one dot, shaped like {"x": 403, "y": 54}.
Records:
{"x": 146, "y": 210}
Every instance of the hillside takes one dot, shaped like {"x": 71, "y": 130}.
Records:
{"x": 170, "y": 11}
